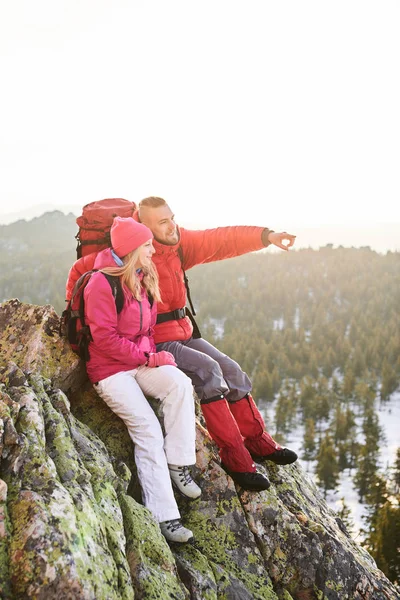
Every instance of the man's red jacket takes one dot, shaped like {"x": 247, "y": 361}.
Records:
{"x": 198, "y": 247}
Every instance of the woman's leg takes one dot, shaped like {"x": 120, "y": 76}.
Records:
{"x": 175, "y": 391}
{"x": 125, "y": 398}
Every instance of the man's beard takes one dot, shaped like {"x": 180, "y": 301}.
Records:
{"x": 168, "y": 242}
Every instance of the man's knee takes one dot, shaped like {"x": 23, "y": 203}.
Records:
{"x": 208, "y": 369}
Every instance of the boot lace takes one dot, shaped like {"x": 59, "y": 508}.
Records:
{"x": 173, "y": 525}
{"x": 184, "y": 476}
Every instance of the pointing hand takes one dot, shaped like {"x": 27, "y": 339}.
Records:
{"x": 282, "y": 240}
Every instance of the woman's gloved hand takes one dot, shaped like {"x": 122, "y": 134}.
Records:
{"x": 158, "y": 359}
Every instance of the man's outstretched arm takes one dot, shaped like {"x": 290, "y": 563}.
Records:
{"x": 209, "y": 245}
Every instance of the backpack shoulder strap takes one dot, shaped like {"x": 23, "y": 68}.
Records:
{"x": 186, "y": 280}
{"x": 117, "y": 291}
{"x": 82, "y": 283}
{"x": 192, "y": 312}
{"x": 116, "y": 288}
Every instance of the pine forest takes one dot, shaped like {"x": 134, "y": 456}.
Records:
{"x": 318, "y": 332}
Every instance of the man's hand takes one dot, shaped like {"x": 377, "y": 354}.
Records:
{"x": 282, "y": 240}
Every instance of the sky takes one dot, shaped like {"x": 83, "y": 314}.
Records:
{"x": 281, "y": 114}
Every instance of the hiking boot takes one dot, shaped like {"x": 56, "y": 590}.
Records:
{"x": 182, "y": 480}
{"x": 254, "y": 482}
{"x": 284, "y": 456}
{"x": 174, "y": 531}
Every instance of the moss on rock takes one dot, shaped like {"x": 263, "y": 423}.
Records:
{"x": 150, "y": 559}
{"x": 5, "y": 538}
{"x": 221, "y": 545}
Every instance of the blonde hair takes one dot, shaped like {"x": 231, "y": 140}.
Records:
{"x": 129, "y": 277}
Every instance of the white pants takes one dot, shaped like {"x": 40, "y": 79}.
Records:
{"x": 124, "y": 394}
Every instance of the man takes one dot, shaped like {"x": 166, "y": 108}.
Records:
{"x": 232, "y": 418}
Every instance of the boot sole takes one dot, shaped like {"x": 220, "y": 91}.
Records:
{"x": 182, "y": 494}
{"x": 252, "y": 489}
{"x": 247, "y": 488}
{"x": 175, "y": 543}
{"x": 262, "y": 459}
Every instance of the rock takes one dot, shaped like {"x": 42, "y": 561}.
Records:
{"x": 30, "y": 339}
{"x": 71, "y": 520}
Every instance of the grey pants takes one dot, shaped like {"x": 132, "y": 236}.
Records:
{"x": 213, "y": 374}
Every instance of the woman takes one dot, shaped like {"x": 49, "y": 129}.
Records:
{"x": 122, "y": 368}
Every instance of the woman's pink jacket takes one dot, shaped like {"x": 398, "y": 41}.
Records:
{"x": 121, "y": 341}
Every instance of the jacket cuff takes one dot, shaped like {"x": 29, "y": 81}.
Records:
{"x": 146, "y": 358}
{"x": 264, "y": 236}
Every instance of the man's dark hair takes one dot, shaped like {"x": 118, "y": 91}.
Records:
{"x": 151, "y": 202}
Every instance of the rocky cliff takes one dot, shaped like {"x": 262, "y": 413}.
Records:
{"x": 72, "y": 525}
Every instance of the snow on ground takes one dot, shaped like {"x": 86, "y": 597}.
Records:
{"x": 389, "y": 419}
{"x": 278, "y": 324}
{"x": 219, "y": 326}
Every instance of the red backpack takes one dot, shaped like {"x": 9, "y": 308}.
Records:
{"x": 95, "y": 223}
{"x": 93, "y": 235}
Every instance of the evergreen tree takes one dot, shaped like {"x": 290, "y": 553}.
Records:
{"x": 384, "y": 543}
{"x": 322, "y": 404}
{"x": 336, "y": 387}
{"x": 358, "y": 361}
{"x": 341, "y": 423}
{"x": 344, "y": 514}
{"x": 343, "y": 458}
{"x": 327, "y": 468}
{"x": 307, "y": 397}
{"x": 309, "y": 440}
{"x": 367, "y": 467}
{"x": 348, "y": 382}
{"x": 372, "y": 431}
{"x": 285, "y": 410}
{"x": 396, "y": 468}
{"x": 352, "y": 448}
{"x": 382, "y": 536}
{"x": 364, "y": 394}
{"x": 275, "y": 380}
{"x": 366, "y": 475}
{"x": 390, "y": 380}
{"x": 262, "y": 386}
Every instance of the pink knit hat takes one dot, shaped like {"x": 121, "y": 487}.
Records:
{"x": 127, "y": 235}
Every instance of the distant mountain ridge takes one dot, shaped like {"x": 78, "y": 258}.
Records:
{"x": 51, "y": 232}
{"x": 381, "y": 237}
{"x": 37, "y": 211}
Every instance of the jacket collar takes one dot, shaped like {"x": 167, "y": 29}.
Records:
{"x": 104, "y": 259}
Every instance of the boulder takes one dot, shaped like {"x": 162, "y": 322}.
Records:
{"x": 72, "y": 525}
